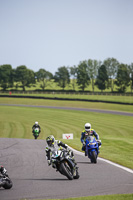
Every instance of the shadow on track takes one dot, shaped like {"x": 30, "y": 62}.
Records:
{"x": 45, "y": 179}
{"x": 84, "y": 163}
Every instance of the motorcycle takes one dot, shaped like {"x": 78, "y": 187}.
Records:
{"x": 92, "y": 149}
{"x": 5, "y": 181}
{"x": 62, "y": 161}
{"x": 36, "y": 133}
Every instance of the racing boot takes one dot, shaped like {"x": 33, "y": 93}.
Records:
{"x": 75, "y": 173}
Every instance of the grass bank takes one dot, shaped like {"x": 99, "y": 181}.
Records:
{"x": 63, "y": 103}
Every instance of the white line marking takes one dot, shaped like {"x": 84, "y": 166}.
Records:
{"x": 107, "y": 161}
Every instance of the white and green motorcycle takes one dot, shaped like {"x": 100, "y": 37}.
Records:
{"x": 63, "y": 162}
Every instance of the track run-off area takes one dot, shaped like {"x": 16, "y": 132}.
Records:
{"x": 32, "y": 178}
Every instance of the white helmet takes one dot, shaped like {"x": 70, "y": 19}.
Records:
{"x": 87, "y": 127}
{"x": 36, "y": 123}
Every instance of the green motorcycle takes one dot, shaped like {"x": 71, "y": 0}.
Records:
{"x": 36, "y": 133}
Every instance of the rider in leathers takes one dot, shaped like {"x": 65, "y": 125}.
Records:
{"x": 54, "y": 145}
{"x": 36, "y": 125}
{"x": 88, "y": 132}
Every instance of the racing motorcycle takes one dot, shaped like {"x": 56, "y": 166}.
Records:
{"x": 92, "y": 149}
{"x": 63, "y": 162}
{"x": 36, "y": 133}
{"x": 5, "y": 181}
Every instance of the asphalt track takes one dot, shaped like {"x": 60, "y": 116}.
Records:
{"x": 32, "y": 178}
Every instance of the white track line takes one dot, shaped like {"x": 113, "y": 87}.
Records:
{"x": 107, "y": 161}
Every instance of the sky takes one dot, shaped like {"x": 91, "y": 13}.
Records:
{"x": 50, "y": 34}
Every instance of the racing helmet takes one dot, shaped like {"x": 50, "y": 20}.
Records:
{"x": 36, "y": 123}
{"x": 87, "y": 127}
{"x": 50, "y": 140}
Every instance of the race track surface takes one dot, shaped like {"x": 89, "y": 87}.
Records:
{"x": 32, "y": 178}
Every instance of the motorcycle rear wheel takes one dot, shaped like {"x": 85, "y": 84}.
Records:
{"x": 8, "y": 184}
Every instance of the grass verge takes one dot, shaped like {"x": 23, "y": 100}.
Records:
{"x": 123, "y": 98}
{"x": 107, "y": 197}
{"x": 63, "y": 103}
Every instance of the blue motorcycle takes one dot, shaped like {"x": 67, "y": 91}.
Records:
{"x": 92, "y": 148}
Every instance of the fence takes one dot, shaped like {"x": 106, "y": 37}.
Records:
{"x": 67, "y": 93}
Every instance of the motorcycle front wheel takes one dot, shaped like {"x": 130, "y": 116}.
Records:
{"x": 35, "y": 136}
{"x": 67, "y": 171}
{"x": 94, "y": 157}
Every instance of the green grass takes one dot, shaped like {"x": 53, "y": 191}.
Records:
{"x": 115, "y": 130}
{"x": 107, "y": 197}
{"x": 76, "y": 104}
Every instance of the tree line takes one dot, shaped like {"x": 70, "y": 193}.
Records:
{"x": 104, "y": 75}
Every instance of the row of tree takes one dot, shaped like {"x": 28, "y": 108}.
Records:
{"x": 104, "y": 75}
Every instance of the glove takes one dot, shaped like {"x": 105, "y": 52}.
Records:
{"x": 99, "y": 143}
{"x": 68, "y": 150}
{"x": 98, "y": 140}
{"x": 70, "y": 153}
{"x": 49, "y": 162}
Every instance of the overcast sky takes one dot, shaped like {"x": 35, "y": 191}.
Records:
{"x": 53, "y": 33}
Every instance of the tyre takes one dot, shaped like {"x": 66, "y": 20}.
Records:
{"x": 94, "y": 157}
{"x": 67, "y": 171}
{"x": 8, "y": 184}
{"x": 35, "y": 136}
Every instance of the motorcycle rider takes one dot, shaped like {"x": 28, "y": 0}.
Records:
{"x": 88, "y": 132}
{"x": 36, "y": 125}
{"x": 5, "y": 181}
{"x": 54, "y": 145}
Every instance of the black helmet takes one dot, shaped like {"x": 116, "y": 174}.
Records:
{"x": 50, "y": 140}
